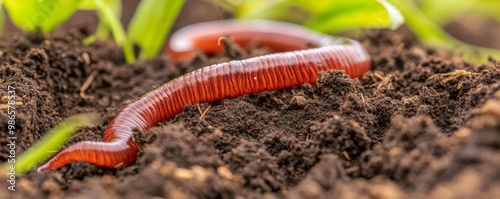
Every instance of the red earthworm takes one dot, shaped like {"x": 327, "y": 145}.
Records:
{"x": 220, "y": 81}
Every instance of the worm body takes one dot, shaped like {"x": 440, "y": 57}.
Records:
{"x": 220, "y": 81}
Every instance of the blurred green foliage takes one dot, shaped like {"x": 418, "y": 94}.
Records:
{"x": 153, "y": 19}
{"x": 149, "y": 27}
{"x": 424, "y": 17}
{"x": 40, "y": 15}
{"x": 325, "y": 16}
{"x": 51, "y": 143}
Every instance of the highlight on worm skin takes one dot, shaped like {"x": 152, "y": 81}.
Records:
{"x": 293, "y": 65}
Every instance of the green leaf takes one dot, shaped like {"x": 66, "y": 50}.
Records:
{"x": 326, "y": 16}
{"x": 431, "y": 34}
{"x": 357, "y": 14}
{"x": 150, "y": 26}
{"x": 51, "y": 143}
{"x": 264, "y": 9}
{"x": 442, "y": 11}
{"x": 40, "y": 15}
{"x": 487, "y": 7}
{"x": 88, "y": 5}
{"x": 336, "y": 15}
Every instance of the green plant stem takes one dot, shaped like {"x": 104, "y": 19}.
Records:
{"x": 358, "y": 14}
{"x": 422, "y": 26}
{"x": 113, "y": 21}
{"x": 103, "y": 29}
{"x": 150, "y": 25}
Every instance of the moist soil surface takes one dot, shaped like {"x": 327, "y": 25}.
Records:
{"x": 420, "y": 123}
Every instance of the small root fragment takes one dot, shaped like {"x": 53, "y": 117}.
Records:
{"x": 346, "y": 155}
{"x": 452, "y": 75}
{"x": 205, "y": 112}
{"x": 202, "y": 113}
{"x": 365, "y": 104}
{"x": 352, "y": 169}
{"x": 86, "y": 84}
{"x": 377, "y": 75}
{"x": 385, "y": 84}
{"x": 199, "y": 109}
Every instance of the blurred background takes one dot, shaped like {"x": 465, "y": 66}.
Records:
{"x": 471, "y": 21}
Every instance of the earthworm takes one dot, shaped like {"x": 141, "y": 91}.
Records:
{"x": 220, "y": 81}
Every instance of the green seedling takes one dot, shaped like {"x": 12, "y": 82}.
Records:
{"x": 40, "y": 15}
{"x": 150, "y": 26}
{"x": 109, "y": 12}
{"x": 443, "y": 11}
{"x": 148, "y": 29}
{"x": 104, "y": 27}
{"x": 354, "y": 15}
{"x": 431, "y": 34}
{"x": 337, "y": 15}
{"x": 325, "y": 16}
{"x": 50, "y": 144}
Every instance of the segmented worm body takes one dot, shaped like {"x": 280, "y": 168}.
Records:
{"x": 220, "y": 81}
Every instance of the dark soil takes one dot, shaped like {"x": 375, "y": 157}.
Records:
{"x": 419, "y": 124}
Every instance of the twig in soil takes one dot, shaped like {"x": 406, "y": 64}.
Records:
{"x": 86, "y": 84}
{"x": 386, "y": 83}
{"x": 362, "y": 98}
{"x": 202, "y": 114}
{"x": 364, "y": 101}
{"x": 379, "y": 76}
{"x": 352, "y": 169}
{"x": 346, "y": 155}
{"x": 452, "y": 75}
{"x": 199, "y": 109}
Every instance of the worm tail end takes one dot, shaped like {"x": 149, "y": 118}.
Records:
{"x": 105, "y": 154}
